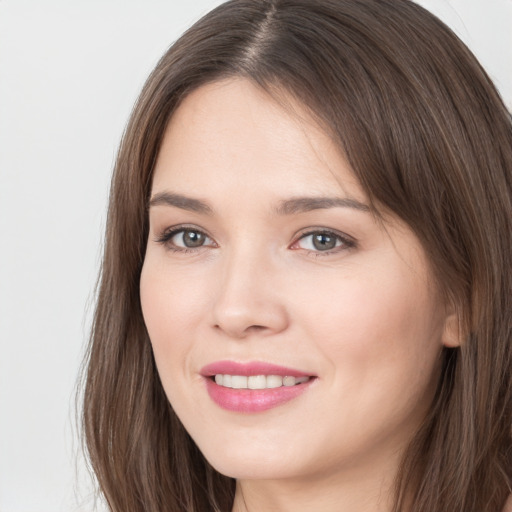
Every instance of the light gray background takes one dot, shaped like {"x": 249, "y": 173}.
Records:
{"x": 70, "y": 71}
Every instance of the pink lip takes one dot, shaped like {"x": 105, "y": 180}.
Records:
{"x": 252, "y": 400}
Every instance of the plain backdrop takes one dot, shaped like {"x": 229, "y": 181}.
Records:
{"x": 70, "y": 72}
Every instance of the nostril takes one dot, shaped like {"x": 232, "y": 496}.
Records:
{"x": 249, "y": 329}
{"x": 256, "y": 327}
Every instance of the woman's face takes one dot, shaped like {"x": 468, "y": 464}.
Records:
{"x": 265, "y": 264}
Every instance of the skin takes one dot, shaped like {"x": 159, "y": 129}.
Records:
{"x": 365, "y": 317}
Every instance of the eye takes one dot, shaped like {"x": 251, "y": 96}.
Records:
{"x": 323, "y": 241}
{"x": 184, "y": 239}
{"x": 189, "y": 238}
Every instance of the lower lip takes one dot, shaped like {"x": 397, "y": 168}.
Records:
{"x": 253, "y": 400}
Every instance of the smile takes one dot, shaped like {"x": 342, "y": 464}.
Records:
{"x": 254, "y": 386}
{"x": 258, "y": 381}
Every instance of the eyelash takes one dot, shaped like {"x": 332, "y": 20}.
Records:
{"x": 166, "y": 237}
{"x": 347, "y": 242}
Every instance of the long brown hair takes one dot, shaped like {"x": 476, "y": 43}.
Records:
{"x": 429, "y": 139}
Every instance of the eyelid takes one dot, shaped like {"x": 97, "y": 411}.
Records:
{"x": 347, "y": 242}
{"x": 168, "y": 233}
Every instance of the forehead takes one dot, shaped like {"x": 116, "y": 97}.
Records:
{"x": 232, "y": 132}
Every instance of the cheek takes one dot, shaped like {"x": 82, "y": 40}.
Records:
{"x": 380, "y": 331}
{"x": 172, "y": 303}
{"x": 380, "y": 340}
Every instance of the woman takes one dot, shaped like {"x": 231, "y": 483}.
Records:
{"x": 305, "y": 296}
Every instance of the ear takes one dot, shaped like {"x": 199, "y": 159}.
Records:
{"x": 452, "y": 331}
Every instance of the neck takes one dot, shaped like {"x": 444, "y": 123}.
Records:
{"x": 362, "y": 489}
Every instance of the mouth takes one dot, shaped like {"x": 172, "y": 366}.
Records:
{"x": 257, "y": 381}
{"x": 253, "y": 387}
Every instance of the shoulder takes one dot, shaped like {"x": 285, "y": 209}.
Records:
{"x": 508, "y": 505}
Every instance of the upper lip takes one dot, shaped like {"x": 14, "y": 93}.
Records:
{"x": 250, "y": 369}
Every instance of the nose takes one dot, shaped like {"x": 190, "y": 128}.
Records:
{"x": 248, "y": 302}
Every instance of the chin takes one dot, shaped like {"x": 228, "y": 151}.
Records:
{"x": 253, "y": 465}
{"x": 250, "y": 470}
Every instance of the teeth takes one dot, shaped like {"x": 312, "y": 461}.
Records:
{"x": 289, "y": 381}
{"x": 257, "y": 381}
{"x": 274, "y": 381}
{"x": 238, "y": 382}
{"x": 226, "y": 381}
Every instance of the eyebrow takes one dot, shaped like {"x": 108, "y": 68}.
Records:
{"x": 180, "y": 201}
{"x": 287, "y": 207}
{"x": 306, "y": 204}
